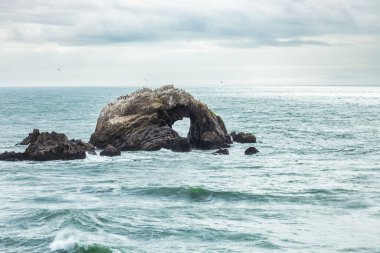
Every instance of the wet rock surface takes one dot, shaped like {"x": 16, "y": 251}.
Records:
{"x": 251, "y": 151}
{"x": 221, "y": 151}
{"x": 11, "y": 156}
{"x": 243, "y": 137}
{"x": 49, "y": 146}
{"x": 110, "y": 151}
{"x": 143, "y": 121}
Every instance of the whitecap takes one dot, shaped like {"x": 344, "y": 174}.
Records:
{"x": 65, "y": 240}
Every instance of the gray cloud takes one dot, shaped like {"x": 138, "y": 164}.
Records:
{"x": 240, "y": 23}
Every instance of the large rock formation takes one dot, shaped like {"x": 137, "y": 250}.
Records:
{"x": 49, "y": 146}
{"x": 143, "y": 120}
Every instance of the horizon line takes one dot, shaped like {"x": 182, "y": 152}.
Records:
{"x": 188, "y": 85}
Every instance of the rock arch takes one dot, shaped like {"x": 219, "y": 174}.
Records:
{"x": 143, "y": 120}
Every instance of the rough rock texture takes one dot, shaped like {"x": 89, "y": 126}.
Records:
{"x": 251, "y": 151}
{"x": 50, "y": 146}
{"x": 110, "y": 151}
{"x": 11, "y": 156}
{"x": 143, "y": 121}
{"x": 221, "y": 151}
{"x": 31, "y": 138}
{"x": 243, "y": 137}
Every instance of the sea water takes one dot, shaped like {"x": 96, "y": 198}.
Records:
{"x": 313, "y": 187}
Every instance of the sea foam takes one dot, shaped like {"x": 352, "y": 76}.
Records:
{"x": 76, "y": 241}
{"x": 65, "y": 240}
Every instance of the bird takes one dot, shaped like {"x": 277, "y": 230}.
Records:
{"x": 58, "y": 69}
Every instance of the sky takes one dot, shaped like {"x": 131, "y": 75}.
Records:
{"x": 189, "y": 42}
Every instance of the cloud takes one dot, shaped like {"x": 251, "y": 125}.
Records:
{"x": 239, "y": 23}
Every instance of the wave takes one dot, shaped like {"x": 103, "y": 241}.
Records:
{"x": 193, "y": 193}
{"x": 74, "y": 242}
{"x": 80, "y": 218}
{"x": 326, "y": 197}
{"x": 197, "y": 194}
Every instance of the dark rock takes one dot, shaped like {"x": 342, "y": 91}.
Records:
{"x": 183, "y": 145}
{"x": 110, "y": 151}
{"x": 243, "y": 137}
{"x": 143, "y": 121}
{"x": 90, "y": 148}
{"x": 160, "y": 137}
{"x": 11, "y": 156}
{"x": 32, "y": 137}
{"x": 91, "y": 152}
{"x": 221, "y": 151}
{"x": 251, "y": 151}
{"x": 55, "y": 146}
{"x": 226, "y": 146}
{"x": 50, "y": 146}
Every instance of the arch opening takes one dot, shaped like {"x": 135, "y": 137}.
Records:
{"x": 182, "y": 127}
{"x": 179, "y": 120}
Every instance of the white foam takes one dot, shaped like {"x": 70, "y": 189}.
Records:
{"x": 64, "y": 240}
{"x": 69, "y": 240}
{"x": 95, "y": 158}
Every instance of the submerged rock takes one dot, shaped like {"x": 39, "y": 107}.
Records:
{"x": 251, "y": 151}
{"x": 110, "y": 151}
{"x": 50, "y": 146}
{"x": 143, "y": 120}
{"x": 221, "y": 151}
{"x": 243, "y": 137}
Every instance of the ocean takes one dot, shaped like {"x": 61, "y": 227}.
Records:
{"x": 313, "y": 187}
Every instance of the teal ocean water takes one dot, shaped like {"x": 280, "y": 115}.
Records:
{"x": 314, "y": 186}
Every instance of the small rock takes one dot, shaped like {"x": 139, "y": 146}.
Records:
{"x": 243, "y": 137}
{"x": 110, "y": 151}
{"x": 251, "y": 151}
{"x": 221, "y": 151}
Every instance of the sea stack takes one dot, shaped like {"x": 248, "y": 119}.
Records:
{"x": 143, "y": 120}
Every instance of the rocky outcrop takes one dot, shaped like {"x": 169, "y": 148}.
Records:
{"x": 251, "y": 151}
{"x": 243, "y": 137}
{"x": 50, "y": 146}
{"x": 143, "y": 120}
{"x": 31, "y": 138}
{"x": 110, "y": 151}
{"x": 221, "y": 151}
{"x": 11, "y": 156}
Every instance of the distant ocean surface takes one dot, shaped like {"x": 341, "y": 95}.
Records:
{"x": 314, "y": 186}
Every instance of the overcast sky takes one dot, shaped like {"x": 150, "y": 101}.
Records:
{"x": 189, "y": 42}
